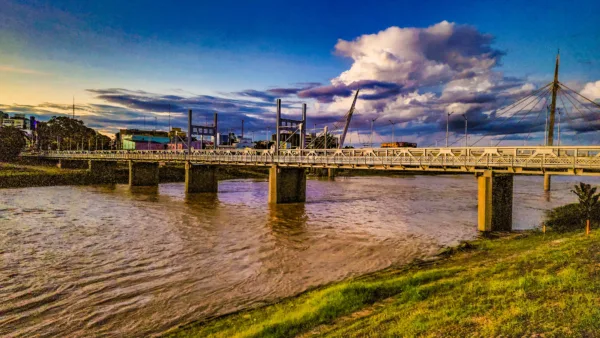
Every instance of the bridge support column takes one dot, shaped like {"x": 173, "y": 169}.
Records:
{"x": 287, "y": 185}
{"x": 143, "y": 173}
{"x": 200, "y": 178}
{"x": 72, "y": 164}
{"x": 495, "y": 198}
{"x": 331, "y": 172}
{"x": 547, "y": 182}
{"x": 104, "y": 169}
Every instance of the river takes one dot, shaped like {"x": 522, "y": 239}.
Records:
{"x": 86, "y": 261}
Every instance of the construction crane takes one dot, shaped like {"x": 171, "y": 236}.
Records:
{"x": 348, "y": 119}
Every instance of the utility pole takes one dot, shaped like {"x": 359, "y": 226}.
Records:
{"x": 73, "y": 107}
{"x": 448, "y": 126}
{"x": 546, "y": 126}
{"x": 189, "y": 136}
{"x": 371, "y": 138}
{"x": 278, "y": 117}
{"x": 466, "y": 131}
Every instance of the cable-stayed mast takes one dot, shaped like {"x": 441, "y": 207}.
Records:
{"x": 555, "y": 88}
{"x": 348, "y": 119}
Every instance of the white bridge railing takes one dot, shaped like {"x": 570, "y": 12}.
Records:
{"x": 584, "y": 157}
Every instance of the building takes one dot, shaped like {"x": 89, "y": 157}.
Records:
{"x": 136, "y": 139}
{"x": 177, "y": 133}
{"x": 195, "y": 145}
{"x": 18, "y": 121}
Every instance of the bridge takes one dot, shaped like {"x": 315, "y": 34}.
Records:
{"x": 494, "y": 167}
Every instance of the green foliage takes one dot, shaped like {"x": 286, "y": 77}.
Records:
{"x": 65, "y": 133}
{"x": 12, "y": 142}
{"x": 569, "y": 218}
{"x": 529, "y": 285}
{"x": 588, "y": 199}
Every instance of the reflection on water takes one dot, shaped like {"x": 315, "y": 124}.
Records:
{"x": 109, "y": 260}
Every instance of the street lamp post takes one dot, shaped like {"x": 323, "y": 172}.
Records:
{"x": 393, "y": 129}
{"x": 558, "y": 110}
{"x": 466, "y": 133}
{"x": 371, "y": 138}
{"x": 448, "y": 126}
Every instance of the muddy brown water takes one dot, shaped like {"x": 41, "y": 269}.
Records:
{"x": 83, "y": 261}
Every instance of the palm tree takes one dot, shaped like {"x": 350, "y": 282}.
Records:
{"x": 588, "y": 200}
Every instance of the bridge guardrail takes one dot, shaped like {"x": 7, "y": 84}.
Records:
{"x": 481, "y": 157}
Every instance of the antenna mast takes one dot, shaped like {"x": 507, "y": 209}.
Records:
{"x": 553, "y": 104}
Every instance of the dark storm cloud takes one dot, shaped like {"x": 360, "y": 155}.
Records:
{"x": 326, "y": 94}
{"x": 270, "y": 95}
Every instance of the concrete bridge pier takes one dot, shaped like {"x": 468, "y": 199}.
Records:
{"x": 143, "y": 173}
{"x": 72, "y": 164}
{"x": 200, "y": 178}
{"x": 547, "y": 182}
{"x": 287, "y": 185}
{"x": 495, "y": 199}
{"x": 104, "y": 169}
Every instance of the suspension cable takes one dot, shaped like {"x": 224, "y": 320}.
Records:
{"x": 545, "y": 92}
{"x": 592, "y": 102}
{"x": 512, "y": 105}
{"x": 524, "y": 116}
{"x": 569, "y": 120}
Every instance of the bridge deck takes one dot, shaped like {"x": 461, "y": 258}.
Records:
{"x": 516, "y": 160}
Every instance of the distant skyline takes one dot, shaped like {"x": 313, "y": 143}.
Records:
{"x": 414, "y": 61}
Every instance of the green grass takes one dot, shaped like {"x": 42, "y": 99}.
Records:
{"x": 522, "y": 285}
{"x": 10, "y": 169}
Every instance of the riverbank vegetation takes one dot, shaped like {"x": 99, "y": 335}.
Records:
{"x": 27, "y": 173}
{"x": 12, "y": 142}
{"x": 529, "y": 284}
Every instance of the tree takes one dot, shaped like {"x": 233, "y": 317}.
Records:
{"x": 12, "y": 142}
{"x": 588, "y": 201}
{"x": 65, "y": 133}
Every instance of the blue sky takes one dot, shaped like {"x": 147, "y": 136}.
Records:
{"x": 227, "y": 51}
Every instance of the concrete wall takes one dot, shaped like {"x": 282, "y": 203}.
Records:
{"x": 200, "y": 178}
{"x": 495, "y": 199}
{"x": 287, "y": 185}
{"x": 143, "y": 173}
{"x": 104, "y": 169}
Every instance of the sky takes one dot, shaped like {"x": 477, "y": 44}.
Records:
{"x": 132, "y": 64}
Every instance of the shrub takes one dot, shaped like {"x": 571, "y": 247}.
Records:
{"x": 569, "y": 217}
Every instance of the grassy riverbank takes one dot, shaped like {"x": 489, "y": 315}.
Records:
{"x": 24, "y": 174}
{"x": 520, "y": 285}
